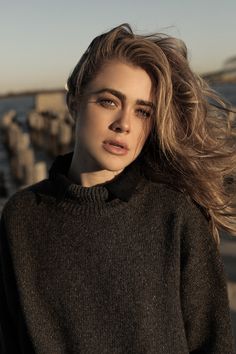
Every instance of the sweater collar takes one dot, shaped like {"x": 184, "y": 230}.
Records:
{"x": 122, "y": 186}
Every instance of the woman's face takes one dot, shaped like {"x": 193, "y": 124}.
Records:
{"x": 116, "y": 108}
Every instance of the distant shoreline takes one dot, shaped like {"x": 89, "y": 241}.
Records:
{"x": 30, "y": 93}
{"x": 207, "y": 77}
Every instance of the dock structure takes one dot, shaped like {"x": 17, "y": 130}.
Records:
{"x": 29, "y": 145}
{"x": 50, "y": 101}
{"x": 225, "y": 75}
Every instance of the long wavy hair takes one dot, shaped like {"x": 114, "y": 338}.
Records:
{"x": 191, "y": 146}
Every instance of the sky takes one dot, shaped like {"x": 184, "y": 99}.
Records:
{"x": 41, "y": 41}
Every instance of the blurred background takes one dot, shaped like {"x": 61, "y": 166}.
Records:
{"x": 41, "y": 41}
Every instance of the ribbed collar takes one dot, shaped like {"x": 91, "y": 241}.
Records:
{"x": 121, "y": 187}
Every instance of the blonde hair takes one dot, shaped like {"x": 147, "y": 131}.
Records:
{"x": 191, "y": 141}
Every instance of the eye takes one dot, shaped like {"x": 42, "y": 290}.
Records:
{"x": 144, "y": 113}
{"x": 106, "y": 102}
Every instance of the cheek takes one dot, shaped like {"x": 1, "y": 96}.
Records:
{"x": 144, "y": 132}
{"x": 95, "y": 119}
{"x": 87, "y": 125}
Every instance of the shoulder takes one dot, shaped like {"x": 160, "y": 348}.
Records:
{"x": 25, "y": 199}
{"x": 191, "y": 224}
{"x": 178, "y": 210}
{"x": 173, "y": 199}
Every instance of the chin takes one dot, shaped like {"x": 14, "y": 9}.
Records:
{"x": 114, "y": 164}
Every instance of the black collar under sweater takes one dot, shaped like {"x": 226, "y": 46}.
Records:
{"x": 122, "y": 186}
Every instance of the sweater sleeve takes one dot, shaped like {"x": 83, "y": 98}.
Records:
{"x": 8, "y": 337}
{"x": 205, "y": 304}
{"x": 13, "y": 334}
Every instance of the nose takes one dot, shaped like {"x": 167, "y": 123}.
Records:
{"x": 122, "y": 122}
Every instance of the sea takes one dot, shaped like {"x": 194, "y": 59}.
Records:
{"x": 24, "y": 104}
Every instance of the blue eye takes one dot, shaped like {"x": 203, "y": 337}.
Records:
{"x": 144, "y": 113}
{"x": 106, "y": 102}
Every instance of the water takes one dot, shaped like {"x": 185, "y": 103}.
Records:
{"x": 21, "y": 105}
{"x": 228, "y": 91}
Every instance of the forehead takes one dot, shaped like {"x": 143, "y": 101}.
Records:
{"x": 133, "y": 81}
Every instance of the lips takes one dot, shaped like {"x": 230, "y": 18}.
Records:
{"x": 117, "y": 143}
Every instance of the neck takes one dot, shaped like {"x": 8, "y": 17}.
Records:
{"x": 80, "y": 173}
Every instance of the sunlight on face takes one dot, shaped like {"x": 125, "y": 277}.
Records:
{"x": 116, "y": 108}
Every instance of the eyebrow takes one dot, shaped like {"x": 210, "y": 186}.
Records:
{"x": 122, "y": 97}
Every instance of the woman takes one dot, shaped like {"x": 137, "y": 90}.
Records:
{"x": 117, "y": 251}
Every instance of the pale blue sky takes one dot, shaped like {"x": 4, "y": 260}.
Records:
{"x": 41, "y": 41}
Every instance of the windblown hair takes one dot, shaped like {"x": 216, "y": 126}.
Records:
{"x": 191, "y": 145}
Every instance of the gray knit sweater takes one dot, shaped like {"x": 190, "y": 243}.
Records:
{"x": 124, "y": 267}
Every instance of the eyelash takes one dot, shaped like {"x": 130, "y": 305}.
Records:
{"x": 104, "y": 102}
{"x": 107, "y": 102}
{"x": 144, "y": 113}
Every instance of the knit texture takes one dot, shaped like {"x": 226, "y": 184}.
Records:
{"x": 88, "y": 270}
